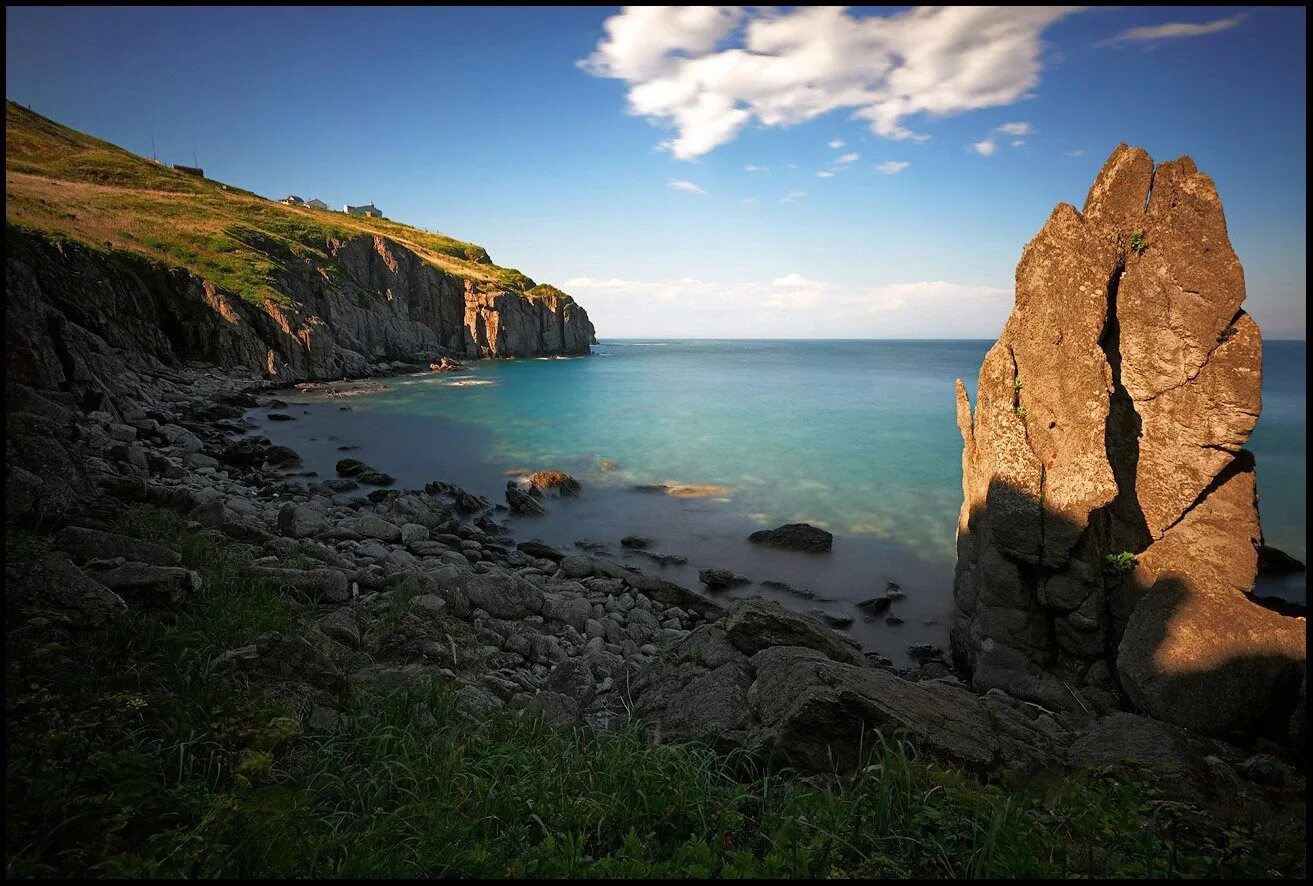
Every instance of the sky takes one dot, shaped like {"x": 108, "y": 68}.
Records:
{"x": 713, "y": 172}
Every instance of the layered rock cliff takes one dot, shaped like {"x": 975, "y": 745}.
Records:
{"x": 1109, "y": 528}
{"x": 73, "y": 306}
{"x": 161, "y": 266}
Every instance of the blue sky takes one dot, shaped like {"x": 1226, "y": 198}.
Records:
{"x": 669, "y": 168}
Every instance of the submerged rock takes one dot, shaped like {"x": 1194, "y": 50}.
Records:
{"x": 544, "y": 481}
{"x": 794, "y": 537}
{"x": 522, "y": 502}
{"x": 717, "y": 579}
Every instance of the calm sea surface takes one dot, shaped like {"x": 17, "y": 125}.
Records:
{"x": 855, "y": 436}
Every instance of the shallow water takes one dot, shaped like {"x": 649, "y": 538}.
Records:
{"x": 856, "y": 436}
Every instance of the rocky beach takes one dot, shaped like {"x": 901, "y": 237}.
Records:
{"x": 1107, "y": 546}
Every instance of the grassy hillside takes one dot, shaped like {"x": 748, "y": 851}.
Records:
{"x": 61, "y": 181}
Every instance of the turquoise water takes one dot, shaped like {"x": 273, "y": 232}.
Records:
{"x": 856, "y": 436}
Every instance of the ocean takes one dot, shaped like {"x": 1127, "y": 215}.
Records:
{"x": 856, "y": 436}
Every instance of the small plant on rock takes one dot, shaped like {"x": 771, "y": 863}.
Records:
{"x": 1021, "y": 412}
{"x": 1138, "y": 243}
{"x": 1118, "y": 566}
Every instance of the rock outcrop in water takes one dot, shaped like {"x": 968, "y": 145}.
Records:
{"x": 1108, "y": 533}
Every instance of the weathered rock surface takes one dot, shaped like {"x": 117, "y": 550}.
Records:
{"x": 767, "y": 679}
{"x": 794, "y": 537}
{"x": 93, "y": 544}
{"x": 1109, "y": 420}
{"x": 562, "y": 482}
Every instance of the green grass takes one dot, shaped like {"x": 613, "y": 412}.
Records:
{"x": 132, "y": 754}
{"x": 67, "y": 184}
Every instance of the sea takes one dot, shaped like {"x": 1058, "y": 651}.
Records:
{"x": 858, "y": 437}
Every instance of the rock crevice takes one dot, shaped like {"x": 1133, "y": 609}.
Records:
{"x": 1108, "y": 531}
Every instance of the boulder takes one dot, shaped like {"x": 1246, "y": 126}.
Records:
{"x": 56, "y": 583}
{"x": 502, "y": 595}
{"x": 765, "y": 679}
{"x": 563, "y": 483}
{"x": 151, "y": 586}
{"x": 299, "y": 521}
{"x": 93, "y": 544}
{"x": 794, "y": 537}
{"x": 322, "y": 585}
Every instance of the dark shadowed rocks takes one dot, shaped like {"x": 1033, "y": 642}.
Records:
{"x": 1108, "y": 532}
{"x": 794, "y": 537}
{"x": 521, "y": 502}
{"x": 719, "y": 579}
{"x": 93, "y": 544}
{"x": 783, "y": 684}
{"x": 150, "y": 586}
{"x": 540, "y": 550}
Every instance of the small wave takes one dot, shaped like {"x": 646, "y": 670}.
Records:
{"x": 468, "y": 383}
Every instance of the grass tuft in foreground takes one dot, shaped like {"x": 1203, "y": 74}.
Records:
{"x": 133, "y": 754}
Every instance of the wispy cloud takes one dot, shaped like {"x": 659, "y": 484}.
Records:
{"x": 793, "y": 196}
{"x": 709, "y": 71}
{"x": 1173, "y": 31}
{"x": 892, "y": 167}
{"x": 836, "y": 144}
{"x": 848, "y": 158}
{"x": 753, "y": 168}
{"x": 985, "y": 148}
{"x": 681, "y": 185}
{"x": 1014, "y": 129}
{"x": 825, "y": 173}
{"x": 1079, "y": 152}
{"x": 813, "y": 307}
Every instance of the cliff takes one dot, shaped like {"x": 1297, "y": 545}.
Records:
{"x": 145, "y": 259}
{"x": 1109, "y": 526}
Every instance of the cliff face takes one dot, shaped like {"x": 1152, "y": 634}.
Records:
{"x": 1109, "y": 421}
{"x": 74, "y": 314}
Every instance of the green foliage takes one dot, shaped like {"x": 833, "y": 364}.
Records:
{"x": 132, "y": 753}
{"x": 1016, "y": 383}
{"x": 1138, "y": 243}
{"x": 1118, "y": 565}
{"x": 1021, "y": 412}
{"x": 71, "y": 185}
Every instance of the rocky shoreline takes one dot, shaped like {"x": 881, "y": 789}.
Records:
{"x": 414, "y": 585}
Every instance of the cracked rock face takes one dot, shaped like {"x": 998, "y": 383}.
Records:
{"x": 1110, "y": 418}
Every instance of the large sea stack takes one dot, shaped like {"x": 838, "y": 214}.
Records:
{"x": 1107, "y": 542}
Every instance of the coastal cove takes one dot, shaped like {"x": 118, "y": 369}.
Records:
{"x": 745, "y": 419}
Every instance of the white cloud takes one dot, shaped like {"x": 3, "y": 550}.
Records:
{"x": 681, "y": 185}
{"x": 825, "y": 173}
{"x": 752, "y": 168}
{"x": 793, "y": 304}
{"x": 793, "y": 196}
{"x": 892, "y": 167}
{"x": 1018, "y": 142}
{"x": 836, "y": 144}
{"x": 1014, "y": 129}
{"x": 985, "y": 148}
{"x": 847, "y": 158}
{"x": 1173, "y": 30}
{"x": 709, "y": 71}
